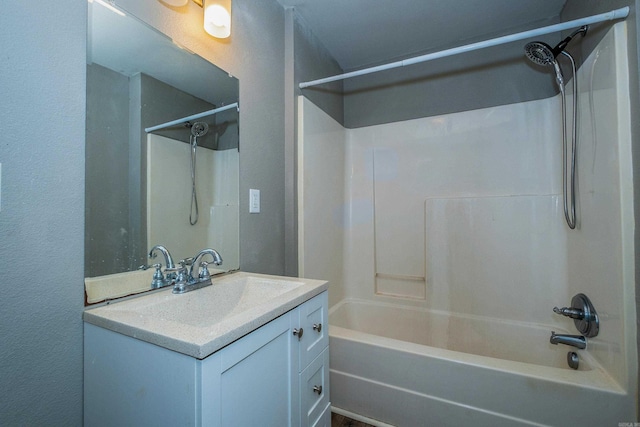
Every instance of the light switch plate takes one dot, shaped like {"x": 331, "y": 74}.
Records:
{"x": 254, "y": 201}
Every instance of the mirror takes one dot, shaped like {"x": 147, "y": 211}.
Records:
{"x": 139, "y": 184}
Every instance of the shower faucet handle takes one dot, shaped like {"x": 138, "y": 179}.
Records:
{"x": 571, "y": 312}
{"x": 584, "y": 315}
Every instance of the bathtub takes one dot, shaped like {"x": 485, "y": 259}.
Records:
{"x": 399, "y": 366}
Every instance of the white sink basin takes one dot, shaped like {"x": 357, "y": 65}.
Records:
{"x": 207, "y": 306}
{"x": 202, "y": 321}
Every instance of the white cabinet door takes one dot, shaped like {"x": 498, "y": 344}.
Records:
{"x": 257, "y": 378}
{"x": 128, "y": 382}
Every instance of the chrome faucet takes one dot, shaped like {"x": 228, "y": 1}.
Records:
{"x": 217, "y": 260}
{"x": 577, "y": 341}
{"x": 192, "y": 280}
{"x": 168, "y": 263}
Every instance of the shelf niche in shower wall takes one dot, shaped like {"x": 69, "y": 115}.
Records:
{"x": 399, "y": 227}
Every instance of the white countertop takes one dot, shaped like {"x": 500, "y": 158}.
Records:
{"x": 203, "y": 321}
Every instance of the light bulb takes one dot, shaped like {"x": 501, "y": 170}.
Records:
{"x": 217, "y": 19}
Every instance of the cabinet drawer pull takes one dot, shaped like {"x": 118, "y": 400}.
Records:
{"x": 317, "y": 327}
{"x": 298, "y": 333}
{"x": 317, "y": 389}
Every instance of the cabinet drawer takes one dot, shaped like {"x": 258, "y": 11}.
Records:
{"x": 315, "y": 321}
{"x": 314, "y": 389}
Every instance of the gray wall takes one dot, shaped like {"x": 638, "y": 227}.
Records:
{"x": 42, "y": 75}
{"x": 313, "y": 61}
{"x": 106, "y": 175}
{"x": 42, "y": 105}
{"x": 489, "y": 77}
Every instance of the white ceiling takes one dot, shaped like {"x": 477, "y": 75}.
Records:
{"x": 360, "y": 33}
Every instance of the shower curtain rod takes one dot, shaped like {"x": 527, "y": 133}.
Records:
{"x": 193, "y": 117}
{"x": 608, "y": 16}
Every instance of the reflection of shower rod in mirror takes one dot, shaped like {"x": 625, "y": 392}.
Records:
{"x": 193, "y": 117}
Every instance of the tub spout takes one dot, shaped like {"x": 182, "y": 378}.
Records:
{"x": 577, "y": 341}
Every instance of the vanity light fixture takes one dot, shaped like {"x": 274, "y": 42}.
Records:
{"x": 217, "y": 15}
{"x": 217, "y": 18}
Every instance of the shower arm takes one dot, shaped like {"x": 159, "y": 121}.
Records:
{"x": 563, "y": 44}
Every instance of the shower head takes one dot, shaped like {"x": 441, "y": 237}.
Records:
{"x": 539, "y": 53}
{"x": 199, "y": 129}
{"x": 542, "y": 54}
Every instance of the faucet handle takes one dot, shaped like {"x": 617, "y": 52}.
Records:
{"x": 571, "y": 312}
{"x": 182, "y": 274}
{"x": 583, "y": 314}
{"x": 204, "y": 271}
{"x": 180, "y": 282}
{"x": 158, "y": 280}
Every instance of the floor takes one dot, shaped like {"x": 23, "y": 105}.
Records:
{"x": 342, "y": 421}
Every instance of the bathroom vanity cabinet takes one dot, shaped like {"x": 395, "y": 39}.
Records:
{"x": 273, "y": 376}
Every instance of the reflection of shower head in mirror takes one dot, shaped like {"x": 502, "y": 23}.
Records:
{"x": 199, "y": 129}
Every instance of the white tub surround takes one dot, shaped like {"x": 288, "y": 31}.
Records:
{"x": 459, "y": 217}
{"x": 201, "y": 322}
